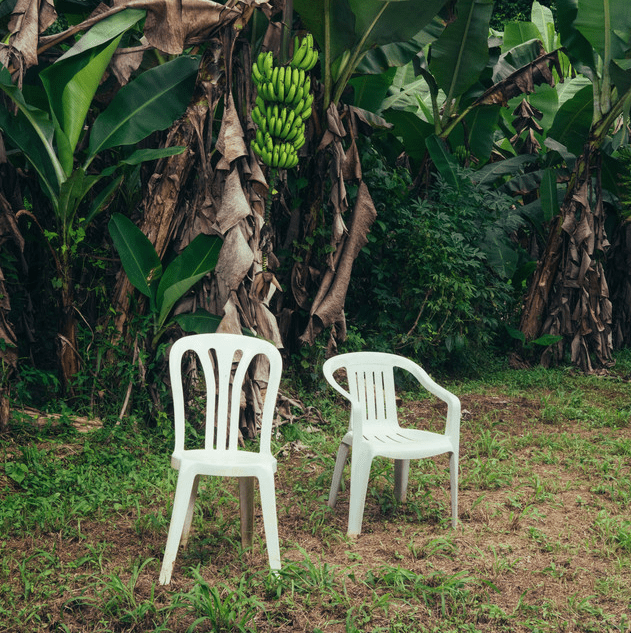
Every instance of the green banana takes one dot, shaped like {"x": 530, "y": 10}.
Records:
{"x": 297, "y": 129}
{"x": 306, "y": 114}
{"x": 298, "y": 96}
{"x": 291, "y": 93}
{"x": 282, "y": 159}
{"x": 256, "y": 75}
{"x": 288, "y": 124}
{"x": 315, "y": 60}
{"x": 271, "y": 125}
{"x": 289, "y": 73}
{"x": 299, "y": 54}
{"x": 270, "y": 91}
{"x": 299, "y": 142}
{"x": 269, "y": 60}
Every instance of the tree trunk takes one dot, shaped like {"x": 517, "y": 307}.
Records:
{"x": 569, "y": 295}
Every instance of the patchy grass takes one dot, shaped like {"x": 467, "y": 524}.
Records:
{"x": 544, "y": 542}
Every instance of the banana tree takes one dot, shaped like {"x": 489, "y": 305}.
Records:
{"x": 165, "y": 285}
{"x": 49, "y": 141}
{"x": 348, "y": 33}
{"x": 569, "y": 295}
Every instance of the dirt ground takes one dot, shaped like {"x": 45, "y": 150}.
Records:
{"x": 529, "y": 541}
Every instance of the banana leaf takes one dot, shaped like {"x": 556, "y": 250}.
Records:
{"x": 445, "y": 163}
{"x": 138, "y": 256}
{"x": 460, "y": 54}
{"x": 72, "y": 81}
{"x": 573, "y": 121}
{"x": 196, "y": 260}
{"x": 148, "y": 104}
{"x": 32, "y": 131}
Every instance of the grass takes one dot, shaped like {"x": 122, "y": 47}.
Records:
{"x": 544, "y": 542}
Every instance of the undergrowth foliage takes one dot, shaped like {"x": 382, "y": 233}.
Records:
{"x": 425, "y": 284}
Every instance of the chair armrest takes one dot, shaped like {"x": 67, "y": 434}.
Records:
{"x": 452, "y": 427}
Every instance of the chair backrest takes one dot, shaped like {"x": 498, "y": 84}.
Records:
{"x": 370, "y": 379}
{"x": 225, "y": 360}
{"x": 371, "y": 388}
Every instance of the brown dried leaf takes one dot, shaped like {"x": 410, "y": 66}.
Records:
{"x": 331, "y": 308}
{"x": 125, "y": 62}
{"x": 234, "y": 205}
{"x": 28, "y": 20}
{"x": 235, "y": 260}
{"x": 523, "y": 80}
{"x": 230, "y": 143}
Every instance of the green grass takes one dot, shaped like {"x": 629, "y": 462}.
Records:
{"x": 544, "y": 542}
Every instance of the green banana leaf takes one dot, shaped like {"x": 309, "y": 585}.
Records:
{"x": 196, "y": 260}
{"x": 200, "y": 322}
{"x": 138, "y": 256}
{"x": 105, "y": 31}
{"x": 102, "y": 199}
{"x": 378, "y": 22}
{"x": 143, "y": 155}
{"x": 480, "y": 124}
{"x": 515, "y": 58}
{"x": 32, "y": 132}
{"x": 72, "y": 81}
{"x": 602, "y": 23}
{"x": 516, "y": 33}
{"x": 491, "y": 174}
{"x": 342, "y": 21}
{"x": 577, "y": 46}
{"x": 443, "y": 160}
{"x": 548, "y": 192}
{"x": 150, "y": 103}
{"x": 573, "y": 121}
{"x": 460, "y": 54}
{"x": 72, "y": 192}
{"x": 203, "y": 322}
{"x": 412, "y": 130}
{"x": 541, "y": 16}
{"x": 357, "y": 26}
{"x": 371, "y": 90}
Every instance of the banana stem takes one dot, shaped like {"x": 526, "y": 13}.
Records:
{"x": 273, "y": 177}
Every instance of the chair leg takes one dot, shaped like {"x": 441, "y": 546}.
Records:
{"x": 183, "y": 490}
{"x": 189, "y": 513}
{"x": 336, "y": 481}
{"x": 401, "y": 475}
{"x": 360, "y": 473}
{"x": 246, "y": 506}
{"x": 270, "y": 519}
{"x": 453, "y": 476}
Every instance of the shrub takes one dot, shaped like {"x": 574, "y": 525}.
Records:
{"x": 423, "y": 285}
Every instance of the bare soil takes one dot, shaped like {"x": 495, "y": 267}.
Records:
{"x": 527, "y": 545}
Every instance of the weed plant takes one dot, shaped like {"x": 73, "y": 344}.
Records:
{"x": 543, "y": 543}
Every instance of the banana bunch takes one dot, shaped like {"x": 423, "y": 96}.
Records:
{"x": 283, "y": 104}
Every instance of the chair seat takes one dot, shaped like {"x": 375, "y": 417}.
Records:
{"x": 399, "y": 443}
{"x": 224, "y": 463}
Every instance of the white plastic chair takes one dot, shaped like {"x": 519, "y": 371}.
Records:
{"x": 221, "y": 355}
{"x": 374, "y": 428}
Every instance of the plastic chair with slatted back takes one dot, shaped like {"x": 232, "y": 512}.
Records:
{"x": 225, "y": 359}
{"x": 374, "y": 428}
